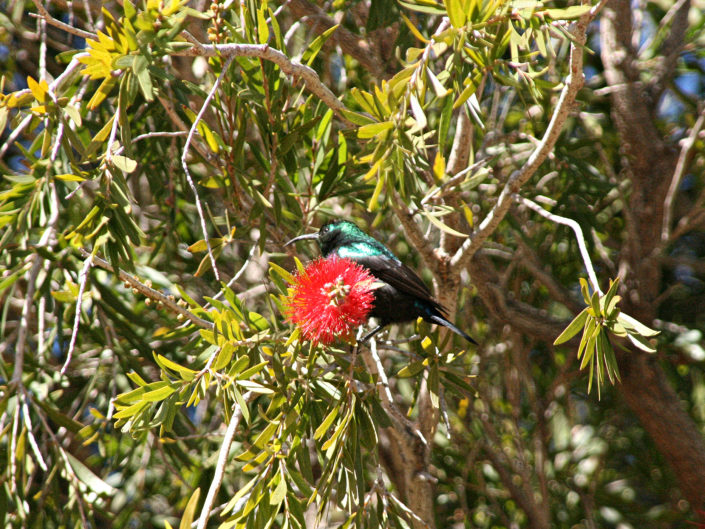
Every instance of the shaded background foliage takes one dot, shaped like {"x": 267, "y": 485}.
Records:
{"x": 520, "y": 445}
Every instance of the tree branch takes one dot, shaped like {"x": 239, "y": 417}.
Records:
{"x": 578, "y": 236}
{"x": 412, "y": 232}
{"x": 148, "y": 291}
{"x": 222, "y": 461}
{"x": 684, "y": 159}
{"x": 351, "y": 44}
{"x": 289, "y": 67}
{"x": 44, "y": 14}
{"x": 519, "y": 177}
{"x": 672, "y": 45}
{"x": 189, "y": 178}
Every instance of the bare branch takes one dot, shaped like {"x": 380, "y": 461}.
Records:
{"x": 519, "y": 177}
{"x": 189, "y": 178}
{"x": 82, "y": 279}
{"x": 237, "y": 275}
{"x": 578, "y": 236}
{"x": 222, "y": 461}
{"x": 44, "y": 15}
{"x": 684, "y": 159}
{"x": 672, "y": 46}
{"x": 523, "y": 317}
{"x": 148, "y": 291}
{"x": 412, "y": 231}
{"x": 288, "y": 66}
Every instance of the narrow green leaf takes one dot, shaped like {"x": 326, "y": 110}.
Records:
{"x": 140, "y": 67}
{"x": 568, "y": 13}
{"x": 190, "y": 511}
{"x": 278, "y": 494}
{"x": 584, "y": 290}
{"x": 573, "y": 328}
{"x": 166, "y": 364}
{"x": 88, "y": 478}
{"x": 69, "y": 177}
{"x": 443, "y": 227}
{"x": 124, "y": 163}
{"x": 241, "y": 493}
{"x": 249, "y": 373}
{"x": 244, "y": 408}
{"x": 440, "y": 90}
{"x": 633, "y": 324}
{"x": 323, "y": 427}
{"x": 590, "y": 346}
{"x": 262, "y": 27}
{"x": 357, "y": 118}
{"x": 130, "y": 411}
{"x": 370, "y": 131}
{"x": 224, "y": 356}
{"x": 411, "y": 369}
{"x": 159, "y": 393}
{"x": 641, "y": 342}
{"x": 456, "y": 14}
{"x": 342, "y": 427}
{"x": 312, "y": 51}
{"x": 587, "y": 331}
{"x": 417, "y": 111}
{"x": 434, "y": 386}
{"x": 265, "y": 435}
{"x": 281, "y": 272}
{"x": 595, "y": 304}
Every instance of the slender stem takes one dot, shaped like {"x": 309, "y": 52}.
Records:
{"x": 222, "y": 461}
{"x": 288, "y": 66}
{"x": 578, "y": 235}
{"x": 683, "y": 161}
{"x": 519, "y": 177}
{"x": 148, "y": 291}
{"x": 82, "y": 279}
{"x": 44, "y": 15}
{"x": 191, "y": 183}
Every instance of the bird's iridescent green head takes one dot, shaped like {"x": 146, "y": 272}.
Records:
{"x": 345, "y": 239}
{"x": 337, "y": 233}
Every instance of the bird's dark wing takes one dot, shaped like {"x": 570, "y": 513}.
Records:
{"x": 401, "y": 277}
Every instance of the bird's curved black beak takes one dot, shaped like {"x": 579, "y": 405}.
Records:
{"x": 304, "y": 237}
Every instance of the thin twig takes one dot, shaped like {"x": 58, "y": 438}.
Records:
{"x": 82, "y": 279}
{"x": 44, "y": 14}
{"x": 191, "y": 183}
{"x": 374, "y": 366}
{"x": 42, "y": 29}
{"x": 519, "y": 177}
{"x": 683, "y": 161}
{"x": 46, "y": 240}
{"x": 288, "y": 66}
{"x": 237, "y": 275}
{"x": 30, "y": 431}
{"x": 222, "y": 461}
{"x": 578, "y": 235}
{"x": 148, "y": 291}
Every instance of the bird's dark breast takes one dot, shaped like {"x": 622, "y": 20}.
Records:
{"x": 392, "y": 306}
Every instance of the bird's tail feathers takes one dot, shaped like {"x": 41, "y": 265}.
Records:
{"x": 442, "y": 321}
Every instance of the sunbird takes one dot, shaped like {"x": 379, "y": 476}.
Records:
{"x": 402, "y": 297}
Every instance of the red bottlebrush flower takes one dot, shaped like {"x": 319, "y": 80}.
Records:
{"x": 330, "y": 298}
